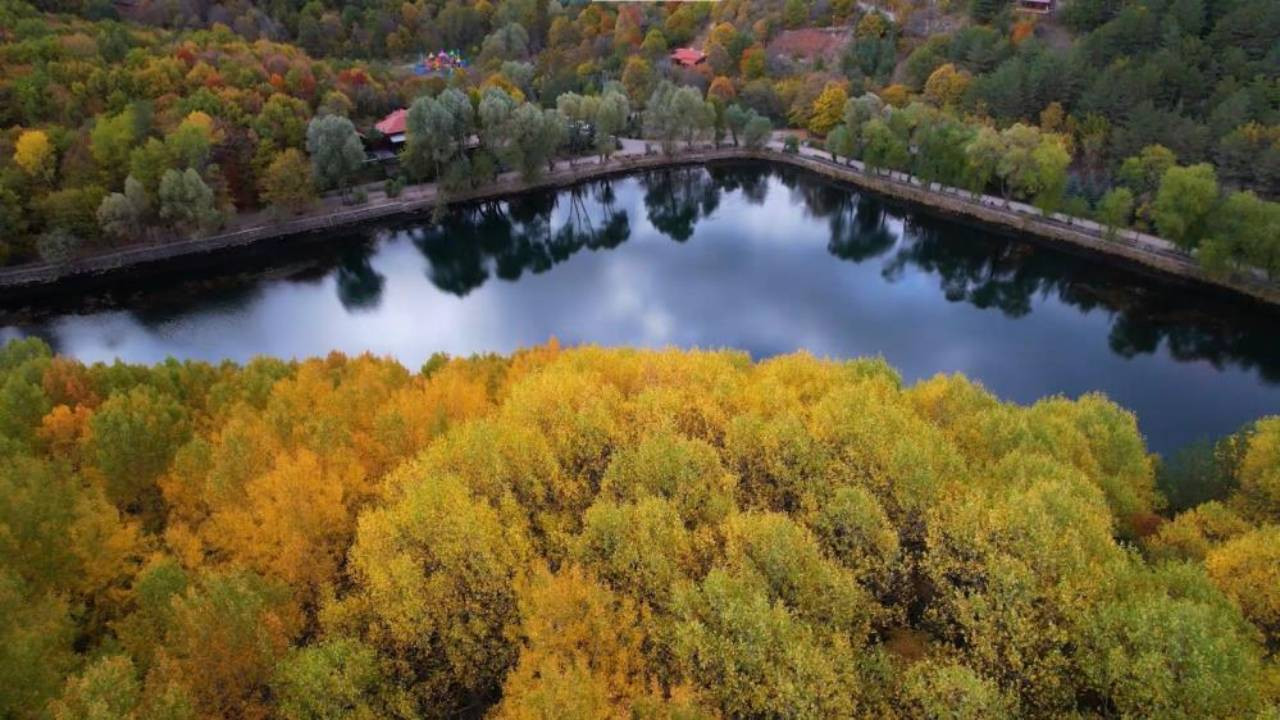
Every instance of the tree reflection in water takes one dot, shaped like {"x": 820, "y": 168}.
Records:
{"x": 359, "y": 285}
{"x": 536, "y": 231}
{"x": 524, "y": 233}
{"x": 677, "y": 198}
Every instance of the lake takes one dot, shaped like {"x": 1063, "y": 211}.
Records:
{"x": 764, "y": 259}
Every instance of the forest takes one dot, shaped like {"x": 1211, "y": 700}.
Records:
{"x": 595, "y": 533}
{"x": 144, "y": 120}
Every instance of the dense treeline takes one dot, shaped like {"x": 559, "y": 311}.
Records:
{"x": 113, "y": 129}
{"x": 610, "y": 533}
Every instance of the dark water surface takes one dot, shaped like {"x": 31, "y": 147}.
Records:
{"x": 746, "y": 256}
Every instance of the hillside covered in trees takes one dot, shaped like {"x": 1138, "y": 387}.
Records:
{"x": 611, "y": 534}
{"x": 143, "y": 120}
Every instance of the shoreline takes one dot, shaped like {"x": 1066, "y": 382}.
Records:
{"x": 1128, "y": 247}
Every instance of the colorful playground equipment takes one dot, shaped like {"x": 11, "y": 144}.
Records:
{"x": 445, "y": 61}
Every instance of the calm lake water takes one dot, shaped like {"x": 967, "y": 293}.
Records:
{"x": 766, "y": 260}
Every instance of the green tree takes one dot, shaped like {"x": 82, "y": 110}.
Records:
{"x": 13, "y": 222}
{"x": 336, "y": 151}
{"x": 134, "y": 436}
{"x": 429, "y": 144}
{"x": 1115, "y": 210}
{"x": 854, "y": 530}
{"x": 883, "y": 147}
{"x": 754, "y": 658}
{"x": 660, "y": 120}
{"x": 984, "y": 11}
{"x": 691, "y": 114}
{"x": 982, "y": 157}
{"x": 655, "y": 43}
{"x": 1018, "y": 169}
{"x": 757, "y": 132}
{"x": 840, "y": 143}
{"x": 186, "y": 201}
{"x": 1244, "y": 231}
{"x": 536, "y": 136}
{"x": 579, "y": 111}
{"x": 283, "y": 121}
{"x": 1184, "y": 203}
{"x": 1143, "y": 172}
{"x": 735, "y": 120}
{"x": 458, "y": 104}
{"x": 940, "y": 154}
{"x": 36, "y": 634}
{"x": 120, "y": 216}
{"x": 190, "y": 145}
{"x": 109, "y": 688}
{"x": 509, "y": 42}
{"x": 58, "y": 246}
{"x": 111, "y": 140}
{"x": 496, "y": 108}
{"x": 610, "y": 120}
{"x": 860, "y": 110}
{"x": 1171, "y": 656}
{"x": 334, "y": 679}
{"x": 147, "y": 163}
{"x": 1051, "y": 162}
{"x": 795, "y": 13}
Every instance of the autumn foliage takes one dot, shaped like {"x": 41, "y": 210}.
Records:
{"x": 597, "y": 533}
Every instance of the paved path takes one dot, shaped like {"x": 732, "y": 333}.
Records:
{"x": 1151, "y": 242}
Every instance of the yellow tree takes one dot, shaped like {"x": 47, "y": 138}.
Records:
{"x": 1194, "y": 533}
{"x": 947, "y": 85}
{"x": 1014, "y": 568}
{"x": 1258, "y": 497}
{"x": 828, "y": 108}
{"x": 640, "y": 549}
{"x": 287, "y": 182}
{"x": 293, "y": 522}
{"x": 937, "y": 689}
{"x": 35, "y": 155}
{"x": 582, "y": 656}
{"x": 1247, "y": 569}
{"x": 223, "y": 640}
{"x": 686, "y": 472}
{"x": 434, "y": 580}
{"x": 721, "y": 90}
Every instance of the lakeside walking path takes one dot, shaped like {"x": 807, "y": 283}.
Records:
{"x": 330, "y": 213}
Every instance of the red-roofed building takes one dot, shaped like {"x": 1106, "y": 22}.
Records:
{"x": 393, "y": 125}
{"x": 688, "y": 57}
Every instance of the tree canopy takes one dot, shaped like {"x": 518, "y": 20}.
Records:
{"x": 609, "y": 533}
